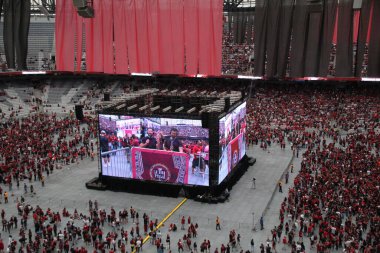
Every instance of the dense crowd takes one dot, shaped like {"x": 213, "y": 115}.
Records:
{"x": 33, "y": 147}
{"x": 333, "y": 204}
{"x": 72, "y": 231}
{"x": 236, "y": 58}
{"x": 335, "y": 198}
{"x": 186, "y": 131}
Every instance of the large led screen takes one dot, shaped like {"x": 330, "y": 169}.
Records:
{"x": 158, "y": 149}
{"x": 231, "y": 140}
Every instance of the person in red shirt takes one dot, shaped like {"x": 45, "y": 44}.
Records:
{"x": 180, "y": 245}
{"x": 183, "y": 223}
{"x": 198, "y": 160}
{"x": 134, "y": 141}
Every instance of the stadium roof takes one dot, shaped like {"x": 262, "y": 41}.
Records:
{"x": 235, "y": 5}
{"x": 46, "y": 7}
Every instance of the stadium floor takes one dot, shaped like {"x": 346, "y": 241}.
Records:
{"x": 66, "y": 188}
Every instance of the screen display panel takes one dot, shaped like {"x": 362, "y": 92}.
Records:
{"x": 232, "y": 129}
{"x": 168, "y": 150}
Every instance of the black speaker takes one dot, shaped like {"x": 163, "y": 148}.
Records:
{"x": 86, "y": 12}
{"x": 79, "y": 112}
{"x": 80, "y": 3}
{"x": 205, "y": 117}
{"x": 107, "y": 97}
{"x": 227, "y": 104}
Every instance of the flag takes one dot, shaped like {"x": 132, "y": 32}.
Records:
{"x": 234, "y": 152}
{"x": 160, "y": 165}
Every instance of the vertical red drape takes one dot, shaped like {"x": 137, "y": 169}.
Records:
{"x": 191, "y": 34}
{"x": 98, "y": 38}
{"x": 79, "y": 39}
{"x": 107, "y": 27}
{"x": 335, "y": 36}
{"x": 90, "y": 43}
{"x": 370, "y": 22}
{"x": 217, "y": 14}
{"x": 94, "y": 40}
{"x": 177, "y": 37}
{"x": 142, "y": 36}
{"x": 356, "y": 26}
{"x": 205, "y": 36}
{"x": 167, "y": 36}
{"x": 166, "y": 43}
{"x": 132, "y": 42}
{"x": 153, "y": 34}
{"x": 120, "y": 37}
{"x": 65, "y": 35}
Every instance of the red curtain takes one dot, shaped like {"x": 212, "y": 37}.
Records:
{"x": 205, "y": 36}
{"x": 210, "y": 36}
{"x": 191, "y": 34}
{"x": 167, "y": 36}
{"x": 178, "y": 36}
{"x": 107, "y": 26}
{"x": 98, "y": 52}
{"x": 99, "y": 38}
{"x": 217, "y": 14}
{"x": 65, "y": 35}
{"x": 132, "y": 43}
{"x": 356, "y": 26}
{"x": 94, "y": 40}
{"x": 79, "y": 38}
{"x": 165, "y": 43}
{"x": 335, "y": 36}
{"x": 120, "y": 39}
{"x": 153, "y": 34}
{"x": 90, "y": 44}
{"x": 370, "y": 22}
{"x": 171, "y": 33}
{"x": 142, "y": 36}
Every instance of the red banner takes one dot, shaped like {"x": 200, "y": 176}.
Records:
{"x": 234, "y": 152}
{"x": 160, "y": 165}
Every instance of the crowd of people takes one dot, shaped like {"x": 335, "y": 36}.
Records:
{"x": 332, "y": 204}
{"x": 236, "y": 58}
{"x": 33, "y": 147}
{"x": 103, "y": 230}
{"x": 335, "y": 197}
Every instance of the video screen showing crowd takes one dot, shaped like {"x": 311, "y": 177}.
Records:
{"x": 232, "y": 141}
{"x": 158, "y": 149}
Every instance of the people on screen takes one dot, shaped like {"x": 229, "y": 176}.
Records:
{"x": 160, "y": 141}
{"x": 104, "y": 147}
{"x": 172, "y": 143}
{"x": 149, "y": 141}
{"x": 198, "y": 161}
{"x": 134, "y": 141}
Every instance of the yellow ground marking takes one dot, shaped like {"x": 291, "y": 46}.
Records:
{"x": 163, "y": 221}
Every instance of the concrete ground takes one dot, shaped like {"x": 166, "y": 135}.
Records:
{"x": 66, "y": 188}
